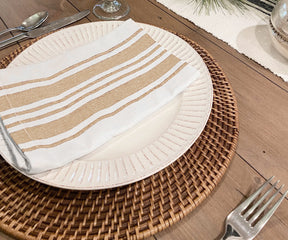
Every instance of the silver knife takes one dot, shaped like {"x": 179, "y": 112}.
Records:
{"x": 43, "y": 30}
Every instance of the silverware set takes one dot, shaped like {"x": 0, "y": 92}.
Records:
{"x": 30, "y": 23}
{"x": 31, "y": 30}
{"x": 104, "y": 9}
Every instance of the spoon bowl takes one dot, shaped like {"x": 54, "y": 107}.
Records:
{"x": 30, "y": 23}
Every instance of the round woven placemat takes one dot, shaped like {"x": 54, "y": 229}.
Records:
{"x": 31, "y": 210}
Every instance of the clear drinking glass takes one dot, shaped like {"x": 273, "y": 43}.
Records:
{"x": 111, "y": 9}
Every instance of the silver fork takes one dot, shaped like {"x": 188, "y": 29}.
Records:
{"x": 246, "y": 221}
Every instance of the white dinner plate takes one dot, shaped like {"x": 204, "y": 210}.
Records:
{"x": 148, "y": 147}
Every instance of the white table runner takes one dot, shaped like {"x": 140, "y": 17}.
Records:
{"x": 248, "y": 33}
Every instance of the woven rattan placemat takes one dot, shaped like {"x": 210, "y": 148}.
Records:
{"x": 31, "y": 210}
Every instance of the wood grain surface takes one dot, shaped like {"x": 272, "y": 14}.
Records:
{"x": 262, "y": 100}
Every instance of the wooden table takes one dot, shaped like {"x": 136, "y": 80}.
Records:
{"x": 263, "y": 112}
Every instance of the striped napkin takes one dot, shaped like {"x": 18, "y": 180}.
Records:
{"x": 59, "y": 110}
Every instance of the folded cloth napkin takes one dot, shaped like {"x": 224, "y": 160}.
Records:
{"x": 61, "y": 109}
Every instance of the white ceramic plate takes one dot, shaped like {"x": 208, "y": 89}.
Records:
{"x": 147, "y": 148}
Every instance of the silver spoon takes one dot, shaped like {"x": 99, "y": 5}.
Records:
{"x": 30, "y": 23}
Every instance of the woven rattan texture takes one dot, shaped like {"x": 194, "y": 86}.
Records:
{"x": 31, "y": 210}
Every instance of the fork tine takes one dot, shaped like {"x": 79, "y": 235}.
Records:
{"x": 260, "y": 200}
{"x": 268, "y": 215}
{"x": 257, "y": 214}
{"x": 246, "y": 203}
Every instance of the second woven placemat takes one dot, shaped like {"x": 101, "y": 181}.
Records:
{"x": 31, "y": 210}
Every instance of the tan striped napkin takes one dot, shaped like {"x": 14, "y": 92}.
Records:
{"x": 61, "y": 109}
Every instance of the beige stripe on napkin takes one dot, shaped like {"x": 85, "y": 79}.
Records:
{"x": 103, "y": 117}
{"x": 55, "y": 127}
{"x": 38, "y": 93}
{"x": 77, "y": 91}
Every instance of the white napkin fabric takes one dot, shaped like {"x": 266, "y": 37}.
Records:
{"x": 61, "y": 109}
